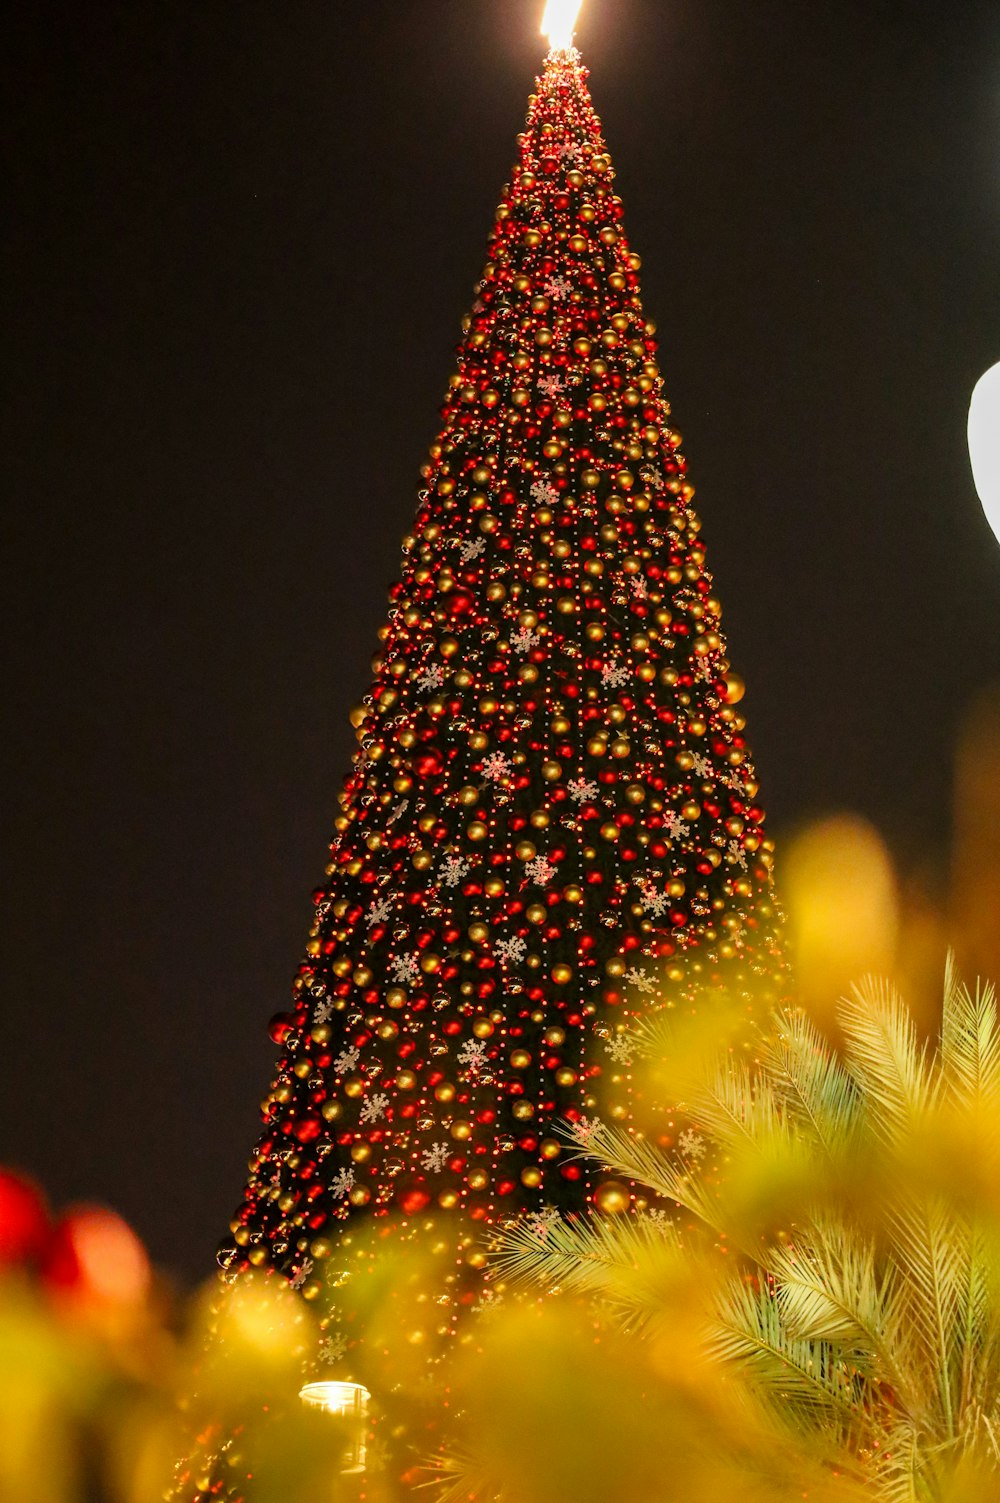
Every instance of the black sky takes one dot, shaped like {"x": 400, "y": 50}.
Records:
{"x": 240, "y": 239}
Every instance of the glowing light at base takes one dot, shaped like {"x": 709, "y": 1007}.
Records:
{"x": 984, "y": 444}
{"x": 347, "y": 1401}
{"x": 559, "y": 23}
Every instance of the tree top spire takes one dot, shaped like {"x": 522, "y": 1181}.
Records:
{"x": 559, "y": 23}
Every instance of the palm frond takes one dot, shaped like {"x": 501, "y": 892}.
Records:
{"x": 810, "y": 1083}
{"x": 830, "y": 1288}
{"x": 737, "y": 1106}
{"x": 635, "y": 1158}
{"x": 633, "y": 1263}
{"x": 970, "y": 1048}
{"x": 930, "y": 1251}
{"x": 809, "y": 1376}
{"x": 886, "y": 1061}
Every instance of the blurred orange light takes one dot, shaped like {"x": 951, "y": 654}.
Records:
{"x": 97, "y": 1255}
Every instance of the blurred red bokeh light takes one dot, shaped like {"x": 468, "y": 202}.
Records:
{"x": 24, "y": 1220}
{"x": 95, "y": 1255}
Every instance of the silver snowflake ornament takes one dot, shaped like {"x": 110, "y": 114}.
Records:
{"x": 511, "y": 951}
{"x": 544, "y": 493}
{"x": 333, "y": 1348}
{"x": 435, "y": 1158}
{"x": 347, "y": 1060}
{"x": 374, "y": 1109}
{"x": 619, "y": 1048}
{"x": 453, "y": 870}
{"x": 301, "y": 1276}
{"x": 524, "y": 640}
{"x": 496, "y": 767}
{"x": 675, "y": 827}
{"x": 615, "y": 675}
{"x": 692, "y": 1145}
{"x": 540, "y": 871}
{"x": 405, "y": 969}
{"x": 472, "y": 1055}
{"x": 342, "y": 1184}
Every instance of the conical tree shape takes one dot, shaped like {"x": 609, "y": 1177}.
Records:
{"x": 552, "y": 815}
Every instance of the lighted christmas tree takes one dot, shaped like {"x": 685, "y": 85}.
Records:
{"x": 552, "y": 823}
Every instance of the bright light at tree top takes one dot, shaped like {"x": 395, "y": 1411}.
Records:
{"x": 559, "y": 22}
{"x": 984, "y": 444}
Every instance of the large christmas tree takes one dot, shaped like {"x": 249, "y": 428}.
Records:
{"x": 552, "y": 823}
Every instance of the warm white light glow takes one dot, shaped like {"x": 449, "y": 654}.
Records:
{"x": 347, "y": 1401}
{"x": 984, "y": 444}
{"x": 559, "y": 22}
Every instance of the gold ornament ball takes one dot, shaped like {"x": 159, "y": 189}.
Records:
{"x": 562, "y": 975}
{"x": 735, "y": 688}
{"x": 612, "y": 1198}
{"x": 531, "y": 1178}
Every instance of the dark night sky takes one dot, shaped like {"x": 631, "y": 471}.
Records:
{"x": 239, "y": 243}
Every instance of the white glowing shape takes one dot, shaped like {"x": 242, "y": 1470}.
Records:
{"x": 559, "y": 23}
{"x": 345, "y": 1399}
{"x": 984, "y": 444}
{"x": 348, "y": 1401}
